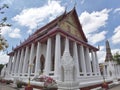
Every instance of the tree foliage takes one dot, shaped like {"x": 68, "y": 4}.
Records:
{"x": 3, "y": 23}
{"x": 116, "y": 57}
{"x": 3, "y": 19}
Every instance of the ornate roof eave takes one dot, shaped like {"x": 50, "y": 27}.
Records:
{"x": 71, "y": 37}
{"x": 49, "y": 26}
{"x": 11, "y": 53}
{"x": 58, "y": 19}
{"x": 63, "y": 33}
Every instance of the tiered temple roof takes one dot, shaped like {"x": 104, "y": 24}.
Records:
{"x": 109, "y": 56}
{"x": 58, "y": 25}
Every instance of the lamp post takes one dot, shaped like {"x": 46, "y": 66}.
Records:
{"x": 104, "y": 84}
{"x": 31, "y": 65}
{"x": 29, "y": 87}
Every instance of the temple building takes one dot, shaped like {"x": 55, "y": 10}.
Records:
{"x": 53, "y": 47}
{"x": 111, "y": 69}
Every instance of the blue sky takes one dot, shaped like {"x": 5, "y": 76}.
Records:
{"x": 100, "y": 21}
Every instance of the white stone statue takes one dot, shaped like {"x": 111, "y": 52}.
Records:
{"x": 67, "y": 62}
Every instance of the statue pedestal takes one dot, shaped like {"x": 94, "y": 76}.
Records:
{"x": 68, "y": 85}
{"x": 69, "y": 79}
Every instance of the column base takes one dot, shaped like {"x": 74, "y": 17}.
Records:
{"x": 28, "y": 88}
{"x": 105, "y": 86}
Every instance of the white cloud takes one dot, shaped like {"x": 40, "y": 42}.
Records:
{"x": 3, "y": 58}
{"x": 92, "y": 22}
{"x": 115, "y": 50}
{"x": 102, "y": 54}
{"x": 5, "y": 30}
{"x": 82, "y": 1}
{"x": 33, "y": 16}
{"x": 117, "y": 10}
{"x": 11, "y": 32}
{"x": 29, "y": 31}
{"x": 15, "y": 33}
{"x": 99, "y": 37}
{"x": 116, "y": 36}
{"x": 102, "y": 48}
{"x": 7, "y": 1}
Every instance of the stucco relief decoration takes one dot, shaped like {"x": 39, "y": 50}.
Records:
{"x": 67, "y": 60}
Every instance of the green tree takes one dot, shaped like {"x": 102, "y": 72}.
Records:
{"x": 1, "y": 66}
{"x": 3, "y": 19}
{"x": 3, "y": 23}
{"x": 116, "y": 57}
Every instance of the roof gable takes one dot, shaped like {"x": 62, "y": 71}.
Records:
{"x": 70, "y": 23}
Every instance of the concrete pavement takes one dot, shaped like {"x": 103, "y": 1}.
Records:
{"x": 8, "y": 87}
{"x": 115, "y": 88}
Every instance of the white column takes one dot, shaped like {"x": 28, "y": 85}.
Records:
{"x": 48, "y": 57}
{"x": 9, "y": 64}
{"x": 75, "y": 57}
{"x": 17, "y": 62}
{"x": 88, "y": 62}
{"x": 57, "y": 55}
{"x": 38, "y": 54}
{"x": 119, "y": 70}
{"x": 14, "y": 61}
{"x": 31, "y": 59}
{"x": 116, "y": 69}
{"x": 82, "y": 59}
{"x": 104, "y": 71}
{"x": 94, "y": 62}
{"x": 21, "y": 61}
{"x": 25, "y": 59}
{"x": 97, "y": 64}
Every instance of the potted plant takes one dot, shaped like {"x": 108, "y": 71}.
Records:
{"x": 19, "y": 84}
{"x": 48, "y": 82}
{"x": 8, "y": 81}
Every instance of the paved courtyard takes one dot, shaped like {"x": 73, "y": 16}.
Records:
{"x": 115, "y": 88}
{"x": 10, "y": 87}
